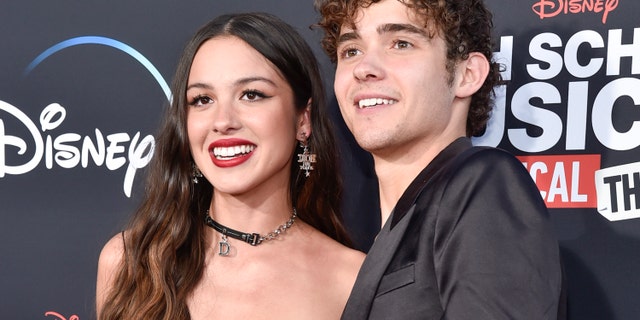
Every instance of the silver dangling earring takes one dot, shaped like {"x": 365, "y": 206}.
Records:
{"x": 195, "y": 173}
{"x": 306, "y": 158}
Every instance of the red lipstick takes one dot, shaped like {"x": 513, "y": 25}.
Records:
{"x": 227, "y": 153}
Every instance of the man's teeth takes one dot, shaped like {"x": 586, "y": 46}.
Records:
{"x": 364, "y": 103}
{"x": 229, "y": 152}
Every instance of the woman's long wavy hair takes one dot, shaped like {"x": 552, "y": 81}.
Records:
{"x": 465, "y": 26}
{"x": 165, "y": 243}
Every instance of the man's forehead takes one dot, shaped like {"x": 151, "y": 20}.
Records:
{"x": 354, "y": 23}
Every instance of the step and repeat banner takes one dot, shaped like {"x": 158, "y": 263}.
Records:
{"x": 83, "y": 85}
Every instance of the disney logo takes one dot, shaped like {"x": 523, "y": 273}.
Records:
{"x": 552, "y": 8}
{"x": 68, "y": 150}
{"x": 59, "y": 316}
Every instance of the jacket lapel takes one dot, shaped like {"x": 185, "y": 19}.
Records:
{"x": 386, "y": 244}
{"x": 418, "y": 184}
{"x": 381, "y": 252}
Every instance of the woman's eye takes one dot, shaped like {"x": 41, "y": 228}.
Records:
{"x": 200, "y": 100}
{"x": 252, "y": 95}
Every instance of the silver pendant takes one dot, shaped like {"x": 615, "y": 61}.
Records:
{"x": 306, "y": 159}
{"x": 224, "y": 247}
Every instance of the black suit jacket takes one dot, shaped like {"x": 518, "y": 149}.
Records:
{"x": 469, "y": 239}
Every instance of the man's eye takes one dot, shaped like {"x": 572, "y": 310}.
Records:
{"x": 400, "y": 44}
{"x": 349, "y": 52}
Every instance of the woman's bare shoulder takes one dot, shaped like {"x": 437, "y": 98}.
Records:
{"x": 334, "y": 268}
{"x": 112, "y": 252}
{"x": 109, "y": 261}
{"x": 351, "y": 256}
{"x": 339, "y": 255}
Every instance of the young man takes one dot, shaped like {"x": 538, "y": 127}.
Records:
{"x": 465, "y": 232}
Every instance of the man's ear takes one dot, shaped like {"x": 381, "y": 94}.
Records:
{"x": 472, "y": 73}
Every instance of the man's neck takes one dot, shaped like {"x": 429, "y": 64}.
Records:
{"x": 393, "y": 179}
{"x": 390, "y": 192}
{"x": 395, "y": 174}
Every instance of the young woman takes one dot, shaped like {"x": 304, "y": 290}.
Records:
{"x": 241, "y": 215}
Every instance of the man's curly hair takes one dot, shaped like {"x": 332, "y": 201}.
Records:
{"x": 465, "y": 25}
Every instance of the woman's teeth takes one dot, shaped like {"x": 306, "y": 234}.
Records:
{"x": 230, "y": 152}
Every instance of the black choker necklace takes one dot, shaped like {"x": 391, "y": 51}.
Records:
{"x": 253, "y": 239}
